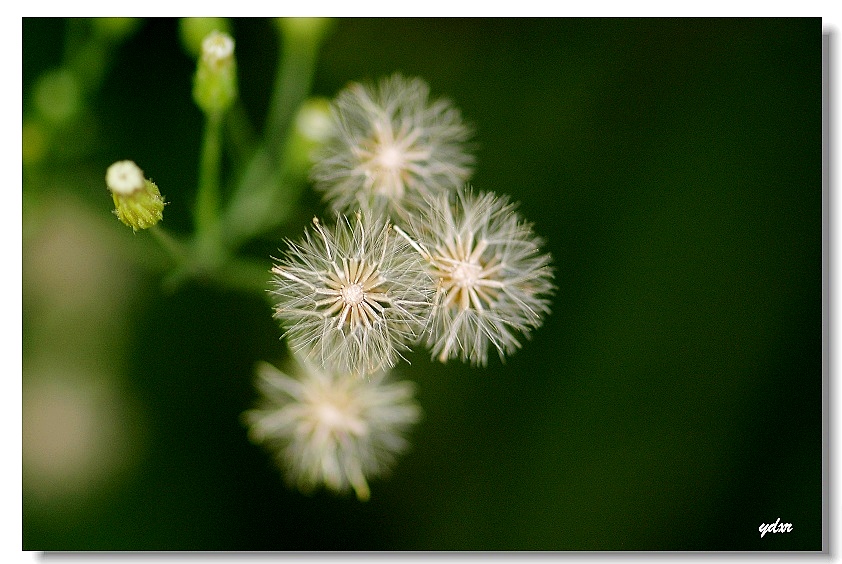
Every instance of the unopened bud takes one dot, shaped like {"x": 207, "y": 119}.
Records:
{"x": 215, "y": 82}
{"x": 313, "y": 126}
{"x": 138, "y": 201}
{"x": 193, "y": 31}
{"x": 218, "y": 49}
{"x": 313, "y": 120}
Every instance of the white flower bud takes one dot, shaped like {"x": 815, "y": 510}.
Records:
{"x": 217, "y": 48}
{"x": 215, "y": 81}
{"x": 124, "y": 177}
{"x": 138, "y": 202}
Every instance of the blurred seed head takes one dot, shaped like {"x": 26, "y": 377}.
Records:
{"x": 332, "y": 429}
{"x": 392, "y": 146}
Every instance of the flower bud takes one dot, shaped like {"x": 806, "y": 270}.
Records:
{"x": 313, "y": 127}
{"x": 313, "y": 120}
{"x": 138, "y": 201}
{"x": 215, "y": 82}
{"x": 192, "y": 31}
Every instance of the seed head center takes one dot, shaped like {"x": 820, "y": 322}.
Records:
{"x": 352, "y": 294}
{"x": 391, "y": 158}
{"x": 466, "y": 274}
{"x": 339, "y": 419}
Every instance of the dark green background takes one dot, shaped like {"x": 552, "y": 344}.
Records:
{"x": 673, "y": 399}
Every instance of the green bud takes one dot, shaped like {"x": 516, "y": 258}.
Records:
{"x": 192, "y": 31}
{"x": 313, "y": 121}
{"x": 312, "y": 128}
{"x": 215, "y": 82}
{"x": 138, "y": 201}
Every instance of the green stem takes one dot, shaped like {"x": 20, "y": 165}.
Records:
{"x": 174, "y": 248}
{"x": 240, "y": 138}
{"x": 245, "y": 275}
{"x": 264, "y": 196}
{"x": 293, "y": 81}
{"x": 206, "y": 213}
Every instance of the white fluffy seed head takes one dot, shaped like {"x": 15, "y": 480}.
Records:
{"x": 352, "y": 296}
{"x": 391, "y": 148}
{"x": 331, "y": 429}
{"x": 493, "y": 281}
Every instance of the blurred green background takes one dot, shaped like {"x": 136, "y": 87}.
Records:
{"x": 672, "y": 401}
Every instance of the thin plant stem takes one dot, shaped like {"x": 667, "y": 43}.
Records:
{"x": 265, "y": 182}
{"x": 293, "y": 81}
{"x": 240, "y": 138}
{"x": 170, "y": 244}
{"x": 206, "y": 213}
{"x": 246, "y": 275}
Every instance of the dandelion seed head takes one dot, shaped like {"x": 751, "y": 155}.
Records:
{"x": 353, "y": 296}
{"x": 331, "y": 429}
{"x": 391, "y": 147}
{"x": 493, "y": 281}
